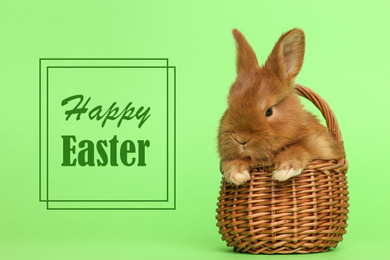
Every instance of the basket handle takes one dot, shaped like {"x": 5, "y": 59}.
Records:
{"x": 327, "y": 113}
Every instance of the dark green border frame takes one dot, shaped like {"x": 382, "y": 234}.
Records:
{"x": 167, "y": 67}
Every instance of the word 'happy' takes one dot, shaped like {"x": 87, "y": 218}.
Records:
{"x": 112, "y": 113}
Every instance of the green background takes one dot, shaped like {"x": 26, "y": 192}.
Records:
{"x": 346, "y": 62}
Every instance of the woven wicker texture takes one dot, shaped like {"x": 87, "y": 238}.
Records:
{"x": 305, "y": 214}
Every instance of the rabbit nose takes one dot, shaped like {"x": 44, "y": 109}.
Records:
{"x": 243, "y": 142}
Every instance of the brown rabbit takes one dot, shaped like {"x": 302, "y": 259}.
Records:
{"x": 265, "y": 123}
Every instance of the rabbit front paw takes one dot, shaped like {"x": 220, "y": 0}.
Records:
{"x": 236, "y": 172}
{"x": 290, "y": 162}
{"x": 285, "y": 174}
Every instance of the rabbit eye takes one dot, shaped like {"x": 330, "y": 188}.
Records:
{"x": 269, "y": 112}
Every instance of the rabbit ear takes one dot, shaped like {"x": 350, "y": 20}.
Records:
{"x": 246, "y": 57}
{"x": 286, "y": 58}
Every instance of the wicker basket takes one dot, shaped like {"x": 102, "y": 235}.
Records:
{"x": 305, "y": 214}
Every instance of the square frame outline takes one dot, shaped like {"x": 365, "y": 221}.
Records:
{"x": 167, "y": 67}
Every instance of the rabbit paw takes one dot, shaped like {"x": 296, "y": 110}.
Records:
{"x": 237, "y": 177}
{"x": 236, "y": 172}
{"x": 290, "y": 162}
{"x": 285, "y": 174}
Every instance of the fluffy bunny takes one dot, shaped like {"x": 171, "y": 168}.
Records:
{"x": 265, "y": 123}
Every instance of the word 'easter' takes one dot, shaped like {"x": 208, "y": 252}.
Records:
{"x": 87, "y": 153}
{"x": 112, "y": 113}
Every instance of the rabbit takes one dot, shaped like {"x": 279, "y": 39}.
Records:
{"x": 265, "y": 123}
